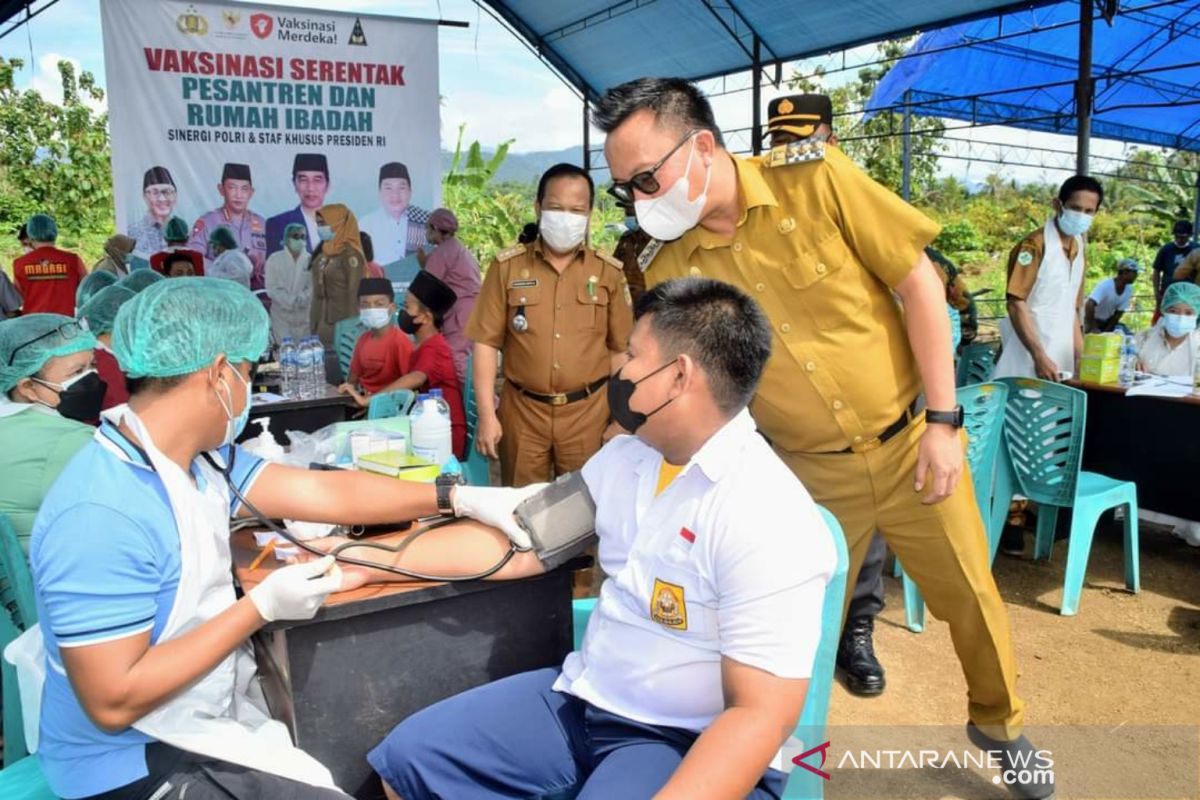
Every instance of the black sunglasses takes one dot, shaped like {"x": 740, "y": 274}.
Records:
{"x": 68, "y": 331}
{"x": 644, "y": 181}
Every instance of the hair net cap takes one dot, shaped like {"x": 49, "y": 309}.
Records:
{"x": 176, "y": 230}
{"x": 140, "y": 279}
{"x": 42, "y": 228}
{"x": 98, "y": 314}
{"x": 1184, "y": 292}
{"x": 180, "y": 326}
{"x": 93, "y": 283}
{"x": 223, "y": 237}
{"x": 287, "y": 231}
{"x": 26, "y": 331}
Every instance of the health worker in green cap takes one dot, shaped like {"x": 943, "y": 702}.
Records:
{"x": 1172, "y": 345}
{"x": 176, "y": 235}
{"x": 148, "y": 685}
{"x": 48, "y": 390}
{"x": 97, "y": 317}
{"x": 47, "y": 276}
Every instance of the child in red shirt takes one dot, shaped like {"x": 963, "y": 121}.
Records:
{"x": 425, "y": 305}
{"x": 382, "y": 354}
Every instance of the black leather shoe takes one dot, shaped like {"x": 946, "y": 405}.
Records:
{"x": 1026, "y": 776}
{"x": 857, "y": 666}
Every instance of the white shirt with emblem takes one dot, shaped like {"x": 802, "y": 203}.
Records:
{"x": 732, "y": 559}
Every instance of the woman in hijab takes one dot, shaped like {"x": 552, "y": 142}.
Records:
{"x": 289, "y": 285}
{"x": 117, "y": 252}
{"x": 452, "y": 263}
{"x": 336, "y": 271}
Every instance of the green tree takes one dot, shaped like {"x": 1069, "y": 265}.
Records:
{"x": 877, "y": 145}
{"x": 55, "y": 158}
{"x": 488, "y": 220}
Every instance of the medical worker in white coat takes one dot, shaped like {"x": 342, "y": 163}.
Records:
{"x": 1042, "y": 336}
{"x": 146, "y": 673}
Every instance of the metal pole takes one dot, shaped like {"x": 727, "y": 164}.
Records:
{"x": 756, "y": 137}
{"x": 1196, "y": 207}
{"x": 906, "y": 152}
{"x": 587, "y": 138}
{"x": 1083, "y": 89}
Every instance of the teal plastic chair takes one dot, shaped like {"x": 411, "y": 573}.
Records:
{"x": 386, "y": 405}
{"x": 345, "y": 336}
{"x": 983, "y": 417}
{"x": 477, "y": 471}
{"x": 810, "y": 729}
{"x": 1043, "y": 437}
{"x": 975, "y": 363}
{"x": 21, "y": 778}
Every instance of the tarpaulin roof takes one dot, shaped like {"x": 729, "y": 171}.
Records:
{"x": 596, "y": 44}
{"x": 1146, "y": 68}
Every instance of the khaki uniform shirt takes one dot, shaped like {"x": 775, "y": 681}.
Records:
{"x": 1025, "y": 260}
{"x": 820, "y": 246}
{"x": 574, "y": 319}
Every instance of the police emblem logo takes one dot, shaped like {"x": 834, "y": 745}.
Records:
{"x": 192, "y": 22}
{"x": 1025, "y": 258}
{"x": 667, "y": 606}
{"x": 786, "y": 107}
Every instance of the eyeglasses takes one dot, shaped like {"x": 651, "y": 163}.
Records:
{"x": 161, "y": 194}
{"x": 645, "y": 182}
{"x": 68, "y": 331}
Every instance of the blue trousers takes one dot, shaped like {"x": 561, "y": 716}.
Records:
{"x": 516, "y": 738}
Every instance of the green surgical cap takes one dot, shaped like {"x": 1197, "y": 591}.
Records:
{"x": 180, "y": 326}
{"x": 287, "y": 231}
{"x": 140, "y": 279}
{"x": 223, "y": 237}
{"x": 1184, "y": 292}
{"x": 99, "y": 313}
{"x": 176, "y": 230}
{"x": 42, "y": 228}
{"x": 43, "y": 340}
{"x": 93, "y": 283}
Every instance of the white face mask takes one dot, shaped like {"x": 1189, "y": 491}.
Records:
{"x": 237, "y": 422}
{"x": 1074, "y": 223}
{"x": 374, "y": 318}
{"x": 1179, "y": 325}
{"x": 562, "y": 230}
{"x": 671, "y": 214}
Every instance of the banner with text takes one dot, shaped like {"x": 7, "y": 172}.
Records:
{"x": 252, "y": 117}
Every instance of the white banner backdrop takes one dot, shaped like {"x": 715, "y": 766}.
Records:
{"x": 253, "y": 116}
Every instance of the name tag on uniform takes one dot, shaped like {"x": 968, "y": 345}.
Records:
{"x": 648, "y": 253}
{"x": 529, "y": 284}
{"x": 667, "y": 605}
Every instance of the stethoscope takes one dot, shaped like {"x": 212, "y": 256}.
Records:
{"x": 336, "y": 552}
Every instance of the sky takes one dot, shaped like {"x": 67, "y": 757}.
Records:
{"x": 530, "y": 104}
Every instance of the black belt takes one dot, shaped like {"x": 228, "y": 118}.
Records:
{"x": 906, "y": 416}
{"x": 562, "y": 399}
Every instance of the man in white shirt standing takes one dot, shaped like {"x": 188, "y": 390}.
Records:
{"x": 1110, "y": 299}
{"x": 696, "y": 660}
{"x": 397, "y": 227}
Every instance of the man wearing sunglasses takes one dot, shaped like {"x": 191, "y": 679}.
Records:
{"x": 827, "y": 251}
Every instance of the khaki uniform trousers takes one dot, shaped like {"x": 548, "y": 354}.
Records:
{"x": 541, "y": 441}
{"x": 943, "y": 549}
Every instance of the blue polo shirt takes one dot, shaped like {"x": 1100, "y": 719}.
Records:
{"x": 106, "y": 560}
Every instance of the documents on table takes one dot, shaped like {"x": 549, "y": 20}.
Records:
{"x": 1162, "y": 386}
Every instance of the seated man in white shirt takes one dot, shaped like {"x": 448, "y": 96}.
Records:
{"x": 1110, "y": 299}
{"x": 696, "y": 660}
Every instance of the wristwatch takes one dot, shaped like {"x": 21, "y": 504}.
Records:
{"x": 952, "y": 418}
{"x": 445, "y": 483}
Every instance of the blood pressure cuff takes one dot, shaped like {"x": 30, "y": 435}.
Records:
{"x": 560, "y": 520}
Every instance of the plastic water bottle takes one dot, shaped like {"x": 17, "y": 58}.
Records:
{"x": 430, "y": 435}
{"x": 287, "y": 368}
{"x": 1128, "y": 362}
{"x": 318, "y": 366}
{"x": 443, "y": 406}
{"x": 304, "y": 355}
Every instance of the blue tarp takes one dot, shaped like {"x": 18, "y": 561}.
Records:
{"x": 597, "y": 44}
{"x": 983, "y": 81}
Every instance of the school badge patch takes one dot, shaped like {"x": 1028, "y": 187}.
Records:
{"x": 667, "y": 605}
{"x": 1025, "y": 258}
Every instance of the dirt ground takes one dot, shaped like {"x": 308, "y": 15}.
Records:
{"x": 1124, "y": 661}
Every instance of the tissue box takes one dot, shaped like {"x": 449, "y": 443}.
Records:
{"x": 1103, "y": 345}
{"x": 1099, "y": 370}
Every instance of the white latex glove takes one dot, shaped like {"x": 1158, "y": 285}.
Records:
{"x": 495, "y": 506}
{"x": 296, "y": 591}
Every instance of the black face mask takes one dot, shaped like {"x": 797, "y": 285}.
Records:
{"x": 620, "y": 392}
{"x": 406, "y": 323}
{"x": 81, "y": 401}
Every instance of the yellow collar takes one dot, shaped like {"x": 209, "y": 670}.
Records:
{"x": 753, "y": 192}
